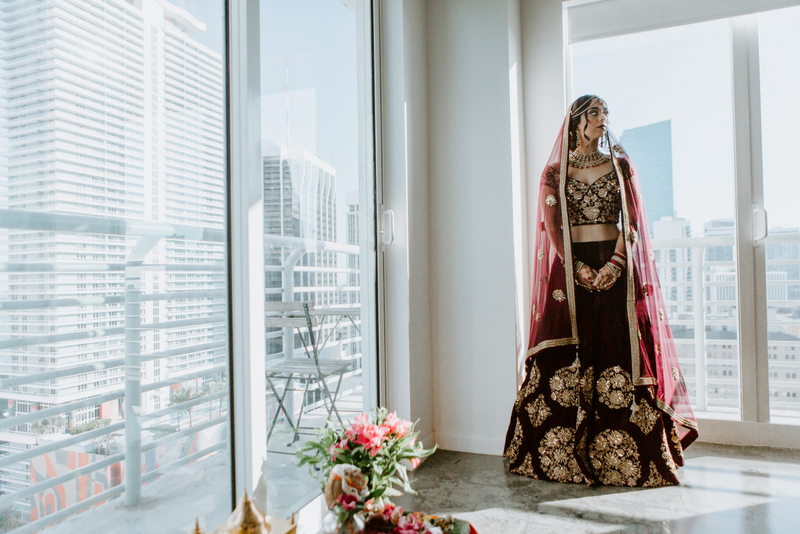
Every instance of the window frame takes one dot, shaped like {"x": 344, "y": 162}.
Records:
{"x": 586, "y": 20}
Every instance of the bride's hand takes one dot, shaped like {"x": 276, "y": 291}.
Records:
{"x": 586, "y": 277}
{"x": 604, "y": 280}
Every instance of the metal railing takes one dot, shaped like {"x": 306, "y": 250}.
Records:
{"x": 293, "y": 249}
{"x": 697, "y": 296}
{"x": 142, "y": 237}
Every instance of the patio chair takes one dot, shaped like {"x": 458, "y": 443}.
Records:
{"x": 310, "y": 368}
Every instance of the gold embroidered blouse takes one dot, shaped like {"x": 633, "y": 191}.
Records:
{"x": 597, "y": 203}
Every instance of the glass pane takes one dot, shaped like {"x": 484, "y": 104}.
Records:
{"x": 313, "y": 105}
{"x": 779, "y": 82}
{"x": 668, "y": 92}
{"x": 113, "y": 284}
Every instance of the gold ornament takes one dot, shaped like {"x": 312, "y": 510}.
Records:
{"x": 248, "y": 519}
{"x": 586, "y": 161}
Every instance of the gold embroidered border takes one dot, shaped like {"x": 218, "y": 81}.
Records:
{"x": 633, "y": 328}
{"x": 560, "y": 342}
{"x": 646, "y": 381}
{"x": 567, "y": 236}
{"x": 664, "y": 407}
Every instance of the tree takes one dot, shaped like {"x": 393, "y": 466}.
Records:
{"x": 9, "y": 520}
{"x": 209, "y": 388}
{"x": 181, "y": 395}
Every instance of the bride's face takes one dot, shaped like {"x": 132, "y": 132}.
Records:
{"x": 594, "y": 122}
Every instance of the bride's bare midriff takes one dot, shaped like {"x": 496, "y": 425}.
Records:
{"x": 594, "y": 232}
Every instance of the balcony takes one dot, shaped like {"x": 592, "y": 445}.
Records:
{"x": 190, "y": 372}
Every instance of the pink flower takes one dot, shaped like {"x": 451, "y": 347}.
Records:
{"x": 408, "y": 524}
{"x": 415, "y": 463}
{"x": 347, "y": 501}
{"x": 398, "y": 426}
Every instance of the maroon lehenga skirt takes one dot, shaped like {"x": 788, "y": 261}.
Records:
{"x": 578, "y": 417}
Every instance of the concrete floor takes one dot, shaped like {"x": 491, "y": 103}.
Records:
{"x": 724, "y": 489}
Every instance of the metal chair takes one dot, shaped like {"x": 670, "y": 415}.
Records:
{"x": 310, "y": 368}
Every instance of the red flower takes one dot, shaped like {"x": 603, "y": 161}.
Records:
{"x": 347, "y": 501}
{"x": 415, "y": 463}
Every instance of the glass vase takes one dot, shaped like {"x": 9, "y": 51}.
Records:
{"x": 331, "y": 525}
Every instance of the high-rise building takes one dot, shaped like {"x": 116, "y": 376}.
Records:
{"x": 119, "y": 113}
{"x": 353, "y": 291}
{"x": 650, "y": 148}
{"x": 299, "y": 201}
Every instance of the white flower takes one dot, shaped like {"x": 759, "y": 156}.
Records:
{"x": 430, "y": 529}
{"x": 353, "y": 482}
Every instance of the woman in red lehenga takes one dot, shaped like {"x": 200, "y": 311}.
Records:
{"x": 603, "y": 399}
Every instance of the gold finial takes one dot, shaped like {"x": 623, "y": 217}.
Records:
{"x": 197, "y": 529}
{"x": 247, "y": 518}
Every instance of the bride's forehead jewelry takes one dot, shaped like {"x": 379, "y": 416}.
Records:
{"x": 586, "y": 105}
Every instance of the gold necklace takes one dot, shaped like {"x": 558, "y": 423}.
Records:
{"x": 585, "y": 161}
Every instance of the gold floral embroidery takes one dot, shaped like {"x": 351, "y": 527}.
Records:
{"x": 564, "y": 385}
{"x": 644, "y": 416}
{"x": 587, "y": 386}
{"x": 618, "y": 150}
{"x": 676, "y": 441}
{"x": 526, "y": 467}
{"x": 658, "y": 349}
{"x": 558, "y": 461}
{"x": 655, "y": 480}
{"x": 550, "y": 200}
{"x": 660, "y": 314}
{"x": 598, "y": 202}
{"x": 581, "y": 416}
{"x": 540, "y": 254}
{"x": 633, "y": 236}
{"x": 530, "y": 386}
{"x": 538, "y": 411}
{"x": 614, "y": 388}
{"x": 646, "y": 289}
{"x": 675, "y": 373}
{"x": 652, "y": 256}
{"x": 516, "y": 441}
{"x": 558, "y": 295}
{"x": 665, "y": 454}
{"x": 615, "y": 458}
{"x": 538, "y": 316}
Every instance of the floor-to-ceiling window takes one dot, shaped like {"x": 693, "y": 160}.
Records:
{"x": 113, "y": 253}
{"x": 701, "y": 100}
{"x": 319, "y": 225}
{"x": 119, "y": 247}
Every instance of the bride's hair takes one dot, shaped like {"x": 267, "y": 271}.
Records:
{"x": 577, "y": 110}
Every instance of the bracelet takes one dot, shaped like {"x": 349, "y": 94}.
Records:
{"x": 615, "y": 262}
{"x": 578, "y": 265}
{"x": 616, "y": 271}
{"x": 620, "y": 257}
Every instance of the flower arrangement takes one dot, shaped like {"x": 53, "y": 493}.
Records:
{"x": 362, "y": 464}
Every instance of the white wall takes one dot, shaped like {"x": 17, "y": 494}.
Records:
{"x": 471, "y": 246}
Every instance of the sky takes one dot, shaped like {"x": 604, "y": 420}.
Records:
{"x": 684, "y": 74}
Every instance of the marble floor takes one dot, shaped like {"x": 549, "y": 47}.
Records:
{"x": 724, "y": 489}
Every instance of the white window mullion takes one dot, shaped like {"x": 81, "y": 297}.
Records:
{"x": 749, "y": 196}
{"x": 248, "y": 386}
